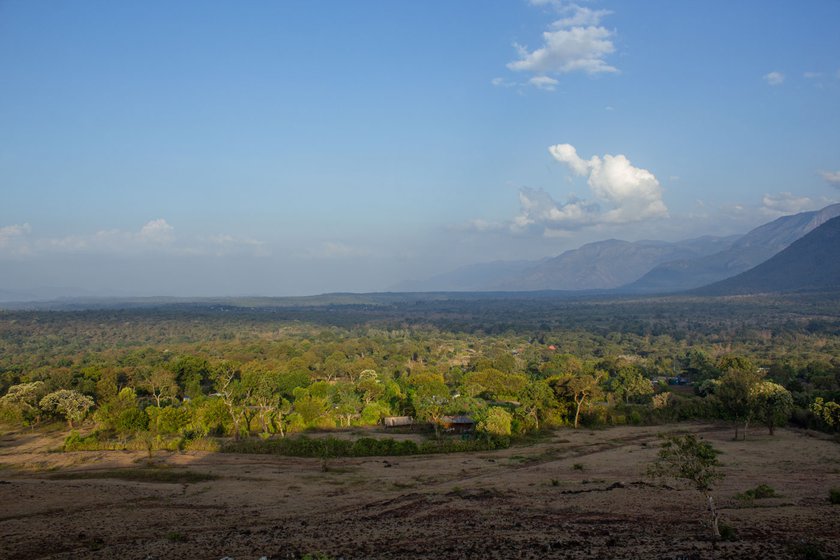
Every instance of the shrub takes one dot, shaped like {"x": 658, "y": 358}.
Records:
{"x": 760, "y": 492}
{"x": 201, "y": 444}
{"x": 834, "y": 496}
{"x": 727, "y": 532}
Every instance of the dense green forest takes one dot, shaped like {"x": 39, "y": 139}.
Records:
{"x": 179, "y": 374}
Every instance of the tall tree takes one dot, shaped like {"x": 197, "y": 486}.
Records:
{"x": 733, "y": 393}
{"x": 581, "y": 389}
{"x": 771, "y": 404}
{"x": 72, "y": 405}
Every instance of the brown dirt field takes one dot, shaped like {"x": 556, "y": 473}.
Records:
{"x": 523, "y": 502}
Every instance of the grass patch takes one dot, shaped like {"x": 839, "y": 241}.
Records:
{"x": 168, "y": 476}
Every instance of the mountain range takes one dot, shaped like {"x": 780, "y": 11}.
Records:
{"x": 635, "y": 267}
{"x": 809, "y": 263}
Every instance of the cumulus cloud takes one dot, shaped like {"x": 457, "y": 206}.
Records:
{"x": 831, "y": 177}
{"x": 574, "y": 43}
{"x": 621, "y": 194}
{"x": 568, "y": 50}
{"x": 537, "y": 209}
{"x": 774, "y": 78}
{"x": 633, "y": 193}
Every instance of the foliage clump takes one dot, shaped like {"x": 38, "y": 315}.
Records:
{"x": 694, "y": 462}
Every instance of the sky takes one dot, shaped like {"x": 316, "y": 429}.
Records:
{"x": 203, "y": 148}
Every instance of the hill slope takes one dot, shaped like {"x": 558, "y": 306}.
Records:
{"x": 594, "y": 266}
{"x": 750, "y": 250}
{"x": 605, "y": 264}
{"x": 810, "y": 263}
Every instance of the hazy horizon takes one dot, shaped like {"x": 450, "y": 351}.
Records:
{"x": 298, "y": 148}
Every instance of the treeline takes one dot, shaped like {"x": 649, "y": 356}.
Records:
{"x": 174, "y": 380}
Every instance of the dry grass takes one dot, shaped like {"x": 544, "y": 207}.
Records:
{"x": 523, "y": 502}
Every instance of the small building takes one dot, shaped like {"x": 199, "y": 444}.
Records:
{"x": 457, "y": 424}
{"x": 398, "y": 421}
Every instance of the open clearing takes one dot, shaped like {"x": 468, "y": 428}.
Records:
{"x": 581, "y": 494}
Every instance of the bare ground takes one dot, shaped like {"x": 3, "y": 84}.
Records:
{"x": 523, "y": 502}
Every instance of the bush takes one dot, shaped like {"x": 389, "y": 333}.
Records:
{"x": 363, "y": 447}
{"x": 727, "y": 532}
{"x": 201, "y": 444}
{"x": 834, "y": 496}
{"x": 760, "y": 492}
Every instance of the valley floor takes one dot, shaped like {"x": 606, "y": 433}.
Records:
{"x": 581, "y": 494}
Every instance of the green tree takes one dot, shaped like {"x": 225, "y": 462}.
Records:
{"x": 497, "y": 422}
{"x": 21, "y": 401}
{"x": 733, "y": 393}
{"x": 628, "y": 382}
{"x": 535, "y": 400}
{"x": 581, "y": 389}
{"x": 496, "y": 384}
{"x": 169, "y": 419}
{"x": 694, "y": 462}
{"x": 771, "y": 404}
{"x": 430, "y": 399}
{"x": 72, "y": 405}
{"x": 827, "y": 411}
{"x": 346, "y": 402}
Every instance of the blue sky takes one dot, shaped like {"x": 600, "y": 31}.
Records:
{"x": 222, "y": 148}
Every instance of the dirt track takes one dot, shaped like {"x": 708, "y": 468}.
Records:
{"x": 524, "y": 502}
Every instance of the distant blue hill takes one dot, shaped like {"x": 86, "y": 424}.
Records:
{"x": 810, "y": 263}
{"x": 750, "y": 250}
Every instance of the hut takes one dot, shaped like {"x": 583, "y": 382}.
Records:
{"x": 398, "y": 421}
{"x": 457, "y": 424}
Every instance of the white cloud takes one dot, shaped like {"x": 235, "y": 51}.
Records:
{"x": 832, "y": 177}
{"x": 155, "y": 236}
{"x": 621, "y": 194}
{"x": 786, "y": 203}
{"x": 13, "y": 238}
{"x": 812, "y": 75}
{"x": 574, "y": 43}
{"x": 13, "y": 232}
{"x": 501, "y": 82}
{"x": 575, "y": 15}
{"x": 226, "y": 244}
{"x": 543, "y": 82}
{"x": 537, "y": 209}
{"x": 579, "y": 49}
{"x": 633, "y": 193}
{"x": 774, "y": 78}
{"x": 156, "y": 231}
